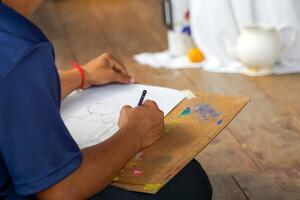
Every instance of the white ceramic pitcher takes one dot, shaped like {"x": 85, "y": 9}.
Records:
{"x": 260, "y": 46}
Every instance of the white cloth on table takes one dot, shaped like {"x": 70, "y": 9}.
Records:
{"x": 165, "y": 59}
{"x": 211, "y": 18}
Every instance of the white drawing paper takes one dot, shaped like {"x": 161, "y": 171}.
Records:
{"x": 91, "y": 116}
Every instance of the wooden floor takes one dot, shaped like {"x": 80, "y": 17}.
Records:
{"x": 256, "y": 157}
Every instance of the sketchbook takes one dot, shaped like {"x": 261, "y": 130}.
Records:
{"x": 91, "y": 115}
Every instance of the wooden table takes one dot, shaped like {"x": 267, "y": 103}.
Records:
{"x": 256, "y": 157}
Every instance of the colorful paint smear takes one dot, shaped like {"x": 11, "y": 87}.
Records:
{"x": 152, "y": 187}
{"x": 205, "y": 110}
{"x": 185, "y": 112}
{"x": 208, "y": 112}
{"x": 171, "y": 125}
{"x": 219, "y": 122}
{"x": 138, "y": 172}
{"x": 132, "y": 163}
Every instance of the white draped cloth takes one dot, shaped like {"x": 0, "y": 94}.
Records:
{"x": 211, "y": 18}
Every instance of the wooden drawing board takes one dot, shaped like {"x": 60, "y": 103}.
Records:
{"x": 190, "y": 127}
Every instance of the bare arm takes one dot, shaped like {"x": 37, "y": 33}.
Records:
{"x": 102, "y": 70}
{"x": 69, "y": 80}
{"x": 139, "y": 127}
{"x": 99, "y": 166}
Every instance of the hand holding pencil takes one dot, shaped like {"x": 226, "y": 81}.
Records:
{"x": 146, "y": 121}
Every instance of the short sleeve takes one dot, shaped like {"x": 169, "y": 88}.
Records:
{"x": 37, "y": 148}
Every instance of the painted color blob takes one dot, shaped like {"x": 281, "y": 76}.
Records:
{"x": 138, "y": 172}
{"x": 116, "y": 178}
{"x": 207, "y": 112}
{"x": 185, "y": 112}
{"x": 174, "y": 122}
{"x": 219, "y": 122}
{"x": 132, "y": 163}
{"x": 171, "y": 125}
{"x": 152, "y": 187}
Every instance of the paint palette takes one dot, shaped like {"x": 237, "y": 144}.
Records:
{"x": 189, "y": 128}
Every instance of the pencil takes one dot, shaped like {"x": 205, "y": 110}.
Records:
{"x": 142, "y": 97}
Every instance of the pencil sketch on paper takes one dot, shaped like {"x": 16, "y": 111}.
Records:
{"x": 100, "y": 116}
{"x": 91, "y": 116}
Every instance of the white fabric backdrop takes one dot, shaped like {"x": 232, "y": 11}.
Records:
{"x": 210, "y": 18}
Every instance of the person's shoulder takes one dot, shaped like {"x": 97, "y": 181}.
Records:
{"x": 14, "y": 24}
{"x": 28, "y": 57}
{"x": 12, "y": 53}
{"x": 18, "y": 36}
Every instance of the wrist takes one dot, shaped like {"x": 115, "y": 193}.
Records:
{"x": 76, "y": 78}
{"x": 132, "y": 135}
{"x": 80, "y": 71}
{"x": 88, "y": 78}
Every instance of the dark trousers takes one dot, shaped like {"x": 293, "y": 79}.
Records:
{"x": 191, "y": 183}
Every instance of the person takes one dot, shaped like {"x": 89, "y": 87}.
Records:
{"x": 38, "y": 156}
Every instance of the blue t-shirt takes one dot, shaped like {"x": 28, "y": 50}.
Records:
{"x": 36, "y": 149}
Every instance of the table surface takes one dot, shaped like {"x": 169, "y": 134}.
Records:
{"x": 256, "y": 156}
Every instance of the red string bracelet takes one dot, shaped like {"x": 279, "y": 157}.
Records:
{"x": 75, "y": 65}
